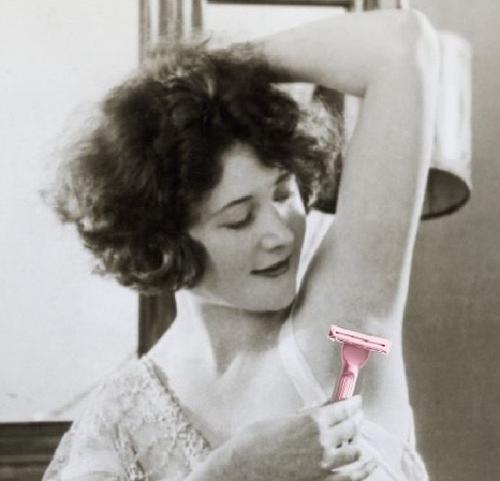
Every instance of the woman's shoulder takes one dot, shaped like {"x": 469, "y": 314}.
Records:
{"x": 132, "y": 396}
{"x": 97, "y": 440}
{"x": 129, "y": 380}
{"x": 118, "y": 399}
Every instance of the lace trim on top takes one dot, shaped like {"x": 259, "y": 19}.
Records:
{"x": 194, "y": 445}
{"x": 132, "y": 429}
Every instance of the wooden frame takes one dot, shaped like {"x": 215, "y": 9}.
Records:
{"x": 349, "y": 4}
{"x": 27, "y": 448}
{"x": 311, "y": 3}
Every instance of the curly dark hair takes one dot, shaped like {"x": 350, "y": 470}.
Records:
{"x": 132, "y": 184}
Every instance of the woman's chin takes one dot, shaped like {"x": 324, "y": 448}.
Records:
{"x": 276, "y": 302}
{"x": 277, "y": 297}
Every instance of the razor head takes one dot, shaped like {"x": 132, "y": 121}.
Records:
{"x": 358, "y": 339}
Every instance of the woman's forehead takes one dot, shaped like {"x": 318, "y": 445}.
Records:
{"x": 244, "y": 175}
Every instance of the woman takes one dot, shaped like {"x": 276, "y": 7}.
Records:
{"x": 198, "y": 178}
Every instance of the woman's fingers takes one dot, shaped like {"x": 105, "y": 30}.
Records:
{"x": 342, "y": 433}
{"x": 357, "y": 474}
{"x": 339, "y": 425}
{"x": 334, "y": 413}
{"x": 336, "y": 458}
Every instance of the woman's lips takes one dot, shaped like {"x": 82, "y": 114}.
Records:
{"x": 275, "y": 270}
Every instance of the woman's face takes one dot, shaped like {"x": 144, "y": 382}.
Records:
{"x": 252, "y": 226}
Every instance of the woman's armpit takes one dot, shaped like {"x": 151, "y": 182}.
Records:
{"x": 314, "y": 308}
{"x": 315, "y": 266}
{"x": 326, "y": 296}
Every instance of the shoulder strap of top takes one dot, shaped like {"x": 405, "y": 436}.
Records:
{"x": 294, "y": 362}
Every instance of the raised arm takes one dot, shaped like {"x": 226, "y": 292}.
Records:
{"x": 359, "y": 277}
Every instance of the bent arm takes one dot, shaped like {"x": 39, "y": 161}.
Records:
{"x": 360, "y": 274}
{"x": 350, "y": 52}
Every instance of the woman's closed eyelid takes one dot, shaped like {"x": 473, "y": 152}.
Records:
{"x": 282, "y": 193}
{"x": 237, "y": 214}
{"x": 240, "y": 223}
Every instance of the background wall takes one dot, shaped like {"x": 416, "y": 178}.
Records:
{"x": 61, "y": 328}
{"x": 452, "y": 334}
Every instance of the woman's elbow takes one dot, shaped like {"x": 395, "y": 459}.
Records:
{"x": 420, "y": 41}
{"x": 410, "y": 45}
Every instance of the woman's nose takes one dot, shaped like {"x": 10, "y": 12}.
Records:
{"x": 276, "y": 232}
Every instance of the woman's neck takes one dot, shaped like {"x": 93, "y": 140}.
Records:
{"x": 223, "y": 334}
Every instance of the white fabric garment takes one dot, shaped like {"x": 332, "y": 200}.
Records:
{"x": 134, "y": 429}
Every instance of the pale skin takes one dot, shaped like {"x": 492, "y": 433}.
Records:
{"x": 222, "y": 345}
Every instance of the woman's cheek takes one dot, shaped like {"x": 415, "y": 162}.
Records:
{"x": 235, "y": 247}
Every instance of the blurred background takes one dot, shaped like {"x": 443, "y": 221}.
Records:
{"x": 452, "y": 326}
{"x": 62, "y": 329}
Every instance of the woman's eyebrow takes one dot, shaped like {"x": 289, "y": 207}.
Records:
{"x": 240, "y": 200}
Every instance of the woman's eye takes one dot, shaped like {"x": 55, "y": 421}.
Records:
{"x": 240, "y": 224}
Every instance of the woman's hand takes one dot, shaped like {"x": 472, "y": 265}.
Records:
{"x": 303, "y": 447}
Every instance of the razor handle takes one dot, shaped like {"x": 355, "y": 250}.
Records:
{"x": 345, "y": 383}
{"x": 353, "y": 359}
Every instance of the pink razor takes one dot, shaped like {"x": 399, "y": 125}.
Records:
{"x": 354, "y": 353}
